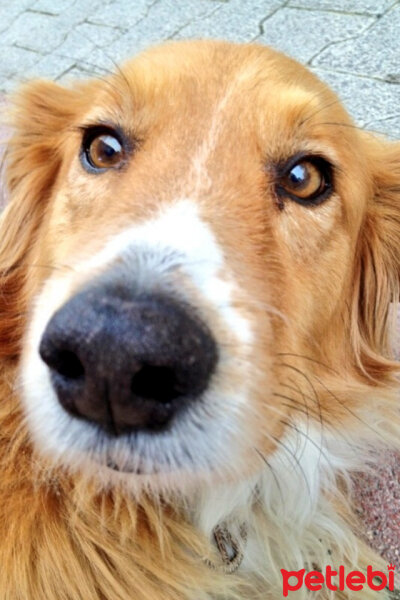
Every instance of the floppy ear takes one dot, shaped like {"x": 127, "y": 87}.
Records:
{"x": 42, "y": 111}
{"x": 378, "y": 263}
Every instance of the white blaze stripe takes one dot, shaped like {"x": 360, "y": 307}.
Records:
{"x": 179, "y": 229}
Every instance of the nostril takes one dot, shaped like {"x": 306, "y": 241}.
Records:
{"x": 156, "y": 383}
{"x": 66, "y": 363}
{"x": 69, "y": 365}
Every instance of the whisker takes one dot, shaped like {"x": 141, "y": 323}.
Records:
{"x": 294, "y": 403}
{"x": 320, "y": 109}
{"x": 349, "y": 125}
{"x": 272, "y": 470}
{"x": 292, "y": 455}
{"x": 319, "y": 448}
{"x": 364, "y": 423}
{"x": 308, "y": 358}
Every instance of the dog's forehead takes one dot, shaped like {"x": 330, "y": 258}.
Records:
{"x": 247, "y": 86}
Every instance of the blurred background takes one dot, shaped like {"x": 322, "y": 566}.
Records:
{"x": 354, "y": 45}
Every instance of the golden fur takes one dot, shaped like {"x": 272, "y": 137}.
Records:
{"x": 316, "y": 284}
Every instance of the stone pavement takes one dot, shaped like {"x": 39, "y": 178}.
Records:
{"x": 353, "y": 44}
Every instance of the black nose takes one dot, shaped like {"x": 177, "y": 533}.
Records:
{"x": 124, "y": 363}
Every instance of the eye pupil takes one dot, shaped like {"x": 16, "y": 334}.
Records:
{"x": 105, "y": 151}
{"x": 308, "y": 181}
{"x": 298, "y": 176}
{"x": 102, "y": 150}
{"x": 109, "y": 146}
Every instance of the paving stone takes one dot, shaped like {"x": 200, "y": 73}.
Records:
{"x": 232, "y": 21}
{"x": 13, "y": 7}
{"x": 53, "y": 7}
{"x": 8, "y": 13}
{"x": 67, "y": 14}
{"x": 96, "y": 70}
{"x": 80, "y": 43}
{"x": 374, "y": 53}
{"x": 123, "y": 14}
{"x": 98, "y": 34}
{"x": 34, "y": 31}
{"x": 9, "y": 85}
{"x": 76, "y": 73}
{"x": 78, "y": 12}
{"x": 366, "y": 99}
{"x": 52, "y": 66}
{"x": 162, "y": 22}
{"x": 371, "y": 7}
{"x": 89, "y": 57}
{"x": 389, "y": 127}
{"x": 20, "y": 5}
{"x": 302, "y": 34}
{"x": 98, "y": 61}
{"x": 16, "y": 60}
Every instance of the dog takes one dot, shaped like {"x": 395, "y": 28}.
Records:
{"x": 198, "y": 263}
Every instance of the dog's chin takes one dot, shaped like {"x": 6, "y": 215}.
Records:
{"x": 192, "y": 450}
{"x": 131, "y": 457}
{"x": 178, "y": 460}
{"x": 137, "y": 478}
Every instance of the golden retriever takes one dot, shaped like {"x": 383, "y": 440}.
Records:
{"x": 197, "y": 266}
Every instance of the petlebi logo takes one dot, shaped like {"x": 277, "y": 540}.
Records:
{"x": 338, "y": 579}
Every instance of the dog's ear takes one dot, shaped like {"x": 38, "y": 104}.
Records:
{"x": 40, "y": 117}
{"x": 377, "y": 281}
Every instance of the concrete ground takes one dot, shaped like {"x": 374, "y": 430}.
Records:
{"x": 352, "y": 44}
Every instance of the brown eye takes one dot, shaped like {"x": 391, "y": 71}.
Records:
{"x": 307, "y": 181}
{"x": 102, "y": 150}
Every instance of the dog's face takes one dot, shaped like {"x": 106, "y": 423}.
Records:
{"x": 198, "y": 262}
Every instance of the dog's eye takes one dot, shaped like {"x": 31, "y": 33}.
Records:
{"x": 105, "y": 151}
{"x": 101, "y": 150}
{"x": 307, "y": 181}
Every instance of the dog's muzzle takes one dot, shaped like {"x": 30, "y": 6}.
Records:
{"x": 127, "y": 363}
